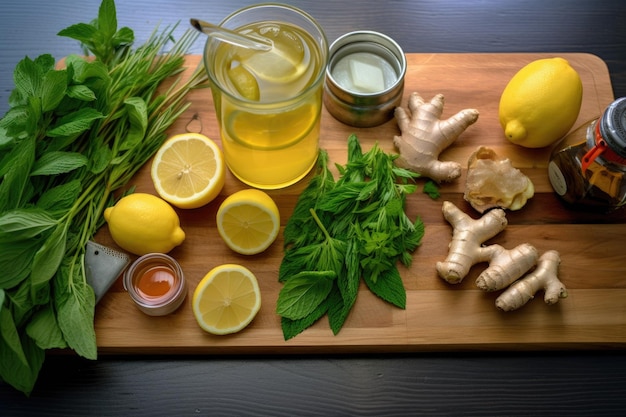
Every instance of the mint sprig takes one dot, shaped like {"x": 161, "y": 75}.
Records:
{"x": 343, "y": 231}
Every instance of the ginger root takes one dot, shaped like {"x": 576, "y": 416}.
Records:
{"x": 545, "y": 277}
{"x": 465, "y": 249}
{"x": 424, "y": 136}
{"x": 506, "y": 267}
{"x": 494, "y": 182}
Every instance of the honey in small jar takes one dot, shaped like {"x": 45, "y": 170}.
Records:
{"x": 156, "y": 283}
{"x": 587, "y": 169}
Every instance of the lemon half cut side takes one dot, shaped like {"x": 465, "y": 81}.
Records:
{"x": 226, "y": 300}
{"x": 188, "y": 171}
{"x": 248, "y": 221}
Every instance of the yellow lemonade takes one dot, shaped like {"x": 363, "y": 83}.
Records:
{"x": 268, "y": 104}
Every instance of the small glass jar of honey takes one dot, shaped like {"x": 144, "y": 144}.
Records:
{"x": 156, "y": 283}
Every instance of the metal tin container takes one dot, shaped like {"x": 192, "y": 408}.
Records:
{"x": 364, "y": 78}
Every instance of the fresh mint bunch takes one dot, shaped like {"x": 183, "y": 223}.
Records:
{"x": 345, "y": 230}
{"x": 71, "y": 138}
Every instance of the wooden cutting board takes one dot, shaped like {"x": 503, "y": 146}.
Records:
{"x": 439, "y": 316}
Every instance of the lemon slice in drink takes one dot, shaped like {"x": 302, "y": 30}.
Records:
{"x": 244, "y": 82}
{"x": 248, "y": 221}
{"x": 188, "y": 170}
{"x": 226, "y": 299}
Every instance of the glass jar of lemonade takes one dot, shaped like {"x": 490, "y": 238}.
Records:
{"x": 268, "y": 102}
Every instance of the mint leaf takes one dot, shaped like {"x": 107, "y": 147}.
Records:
{"x": 61, "y": 197}
{"x": 82, "y": 32}
{"x": 138, "y": 118}
{"x": 303, "y": 293}
{"x": 12, "y": 370}
{"x": 58, "y": 162}
{"x": 292, "y": 328}
{"x": 44, "y": 329}
{"x": 53, "y": 89}
{"x": 75, "y": 123}
{"x": 81, "y": 92}
{"x": 75, "y": 311}
{"x": 48, "y": 258}
{"x": 27, "y": 78}
{"x": 431, "y": 189}
{"x": 83, "y": 70}
{"x": 16, "y": 260}
{"x": 24, "y": 223}
{"x": 107, "y": 19}
{"x": 124, "y": 36}
{"x": 8, "y": 332}
{"x": 16, "y": 175}
{"x": 388, "y": 286}
{"x": 338, "y": 311}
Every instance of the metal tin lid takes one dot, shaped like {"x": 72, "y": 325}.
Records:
{"x": 613, "y": 126}
{"x": 364, "y": 78}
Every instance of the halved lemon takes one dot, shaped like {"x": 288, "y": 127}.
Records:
{"x": 188, "y": 171}
{"x": 248, "y": 221}
{"x": 226, "y": 299}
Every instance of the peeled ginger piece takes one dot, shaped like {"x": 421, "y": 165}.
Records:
{"x": 493, "y": 182}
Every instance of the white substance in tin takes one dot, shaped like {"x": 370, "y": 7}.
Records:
{"x": 364, "y": 72}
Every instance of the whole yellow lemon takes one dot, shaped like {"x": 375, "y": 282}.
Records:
{"x": 143, "y": 223}
{"x": 541, "y": 103}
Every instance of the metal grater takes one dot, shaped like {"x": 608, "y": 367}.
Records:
{"x": 102, "y": 267}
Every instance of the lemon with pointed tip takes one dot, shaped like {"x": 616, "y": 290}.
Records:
{"x": 143, "y": 223}
{"x": 540, "y": 104}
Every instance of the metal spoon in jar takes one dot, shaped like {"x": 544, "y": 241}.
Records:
{"x": 226, "y": 35}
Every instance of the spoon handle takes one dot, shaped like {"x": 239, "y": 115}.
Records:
{"x": 229, "y": 36}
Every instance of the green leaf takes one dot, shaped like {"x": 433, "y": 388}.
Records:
{"x": 86, "y": 70}
{"x": 101, "y": 157}
{"x": 16, "y": 260}
{"x": 138, "y": 117}
{"x": 303, "y": 293}
{"x": 431, "y": 189}
{"x": 75, "y": 303}
{"x": 338, "y": 311}
{"x": 348, "y": 282}
{"x": 61, "y": 197}
{"x": 58, "y": 162}
{"x": 21, "y": 303}
{"x": 82, "y": 32}
{"x": 16, "y": 178}
{"x": 44, "y": 329}
{"x": 124, "y": 36}
{"x": 107, "y": 19}
{"x": 389, "y": 287}
{"x": 53, "y": 89}
{"x": 47, "y": 261}
{"x": 27, "y": 78}
{"x": 8, "y": 332}
{"x": 76, "y": 122}
{"x": 81, "y": 92}
{"x": 24, "y": 223}
{"x": 13, "y": 122}
{"x": 17, "y": 374}
{"x": 292, "y": 328}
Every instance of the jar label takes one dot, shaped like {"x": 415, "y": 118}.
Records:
{"x": 557, "y": 179}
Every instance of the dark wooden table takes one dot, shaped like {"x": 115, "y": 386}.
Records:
{"x": 582, "y": 383}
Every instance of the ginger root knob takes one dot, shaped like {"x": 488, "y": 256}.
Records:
{"x": 424, "y": 136}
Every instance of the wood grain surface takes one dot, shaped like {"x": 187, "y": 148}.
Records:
{"x": 439, "y": 316}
